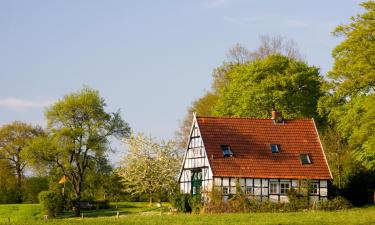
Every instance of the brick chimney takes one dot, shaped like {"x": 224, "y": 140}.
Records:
{"x": 277, "y": 117}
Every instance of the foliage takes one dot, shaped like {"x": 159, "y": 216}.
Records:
{"x": 51, "y": 203}
{"x": 278, "y": 82}
{"x": 339, "y": 157}
{"x": 77, "y": 136}
{"x": 32, "y": 187}
{"x": 195, "y": 203}
{"x": 335, "y": 204}
{"x": 14, "y": 138}
{"x": 8, "y": 183}
{"x": 354, "y": 65}
{"x": 149, "y": 167}
{"x": 180, "y": 202}
{"x": 237, "y": 55}
{"x": 350, "y": 97}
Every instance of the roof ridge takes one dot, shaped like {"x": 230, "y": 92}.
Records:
{"x": 247, "y": 118}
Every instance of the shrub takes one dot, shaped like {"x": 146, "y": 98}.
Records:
{"x": 51, "y": 203}
{"x": 180, "y": 202}
{"x": 195, "y": 203}
{"x": 335, "y": 204}
{"x": 297, "y": 201}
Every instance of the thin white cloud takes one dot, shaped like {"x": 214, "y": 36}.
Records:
{"x": 17, "y": 103}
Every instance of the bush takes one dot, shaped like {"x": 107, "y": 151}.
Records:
{"x": 335, "y": 204}
{"x": 180, "y": 202}
{"x": 51, "y": 203}
{"x": 195, "y": 203}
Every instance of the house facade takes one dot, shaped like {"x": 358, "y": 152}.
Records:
{"x": 266, "y": 157}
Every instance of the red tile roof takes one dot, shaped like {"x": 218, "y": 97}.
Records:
{"x": 250, "y": 140}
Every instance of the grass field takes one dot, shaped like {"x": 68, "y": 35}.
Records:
{"x": 139, "y": 213}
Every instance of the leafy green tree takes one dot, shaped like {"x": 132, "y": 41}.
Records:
{"x": 149, "y": 167}
{"x": 237, "y": 55}
{"x": 349, "y": 102}
{"x": 77, "y": 136}
{"x": 354, "y": 66}
{"x": 8, "y": 183}
{"x": 339, "y": 157}
{"x": 33, "y": 186}
{"x": 277, "y": 81}
{"x": 14, "y": 138}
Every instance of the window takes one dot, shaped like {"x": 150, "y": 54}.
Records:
{"x": 314, "y": 188}
{"x": 305, "y": 159}
{"x": 225, "y": 190}
{"x": 274, "y": 148}
{"x": 284, "y": 187}
{"x": 226, "y": 150}
{"x": 274, "y": 188}
{"x": 249, "y": 190}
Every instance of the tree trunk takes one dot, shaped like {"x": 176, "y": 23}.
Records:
{"x": 77, "y": 206}
{"x": 19, "y": 182}
{"x": 150, "y": 199}
{"x": 77, "y": 201}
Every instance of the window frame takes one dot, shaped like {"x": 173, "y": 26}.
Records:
{"x": 274, "y": 190}
{"x": 276, "y": 147}
{"x": 305, "y": 158}
{"x": 314, "y": 188}
{"x": 284, "y": 190}
{"x": 227, "y": 151}
{"x": 249, "y": 190}
{"x": 227, "y": 190}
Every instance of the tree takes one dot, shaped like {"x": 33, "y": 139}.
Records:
{"x": 354, "y": 66}
{"x": 14, "y": 138}
{"x": 237, "y": 55}
{"x": 339, "y": 157}
{"x": 277, "y": 81}
{"x": 149, "y": 167}
{"x": 349, "y": 101}
{"x": 8, "y": 183}
{"x": 77, "y": 136}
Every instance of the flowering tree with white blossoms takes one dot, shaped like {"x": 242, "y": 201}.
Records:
{"x": 149, "y": 166}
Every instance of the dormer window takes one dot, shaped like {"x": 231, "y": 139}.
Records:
{"x": 274, "y": 148}
{"x": 305, "y": 159}
{"x": 227, "y": 152}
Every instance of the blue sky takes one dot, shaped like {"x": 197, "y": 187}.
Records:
{"x": 150, "y": 59}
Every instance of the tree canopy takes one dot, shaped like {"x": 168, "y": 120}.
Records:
{"x": 77, "y": 136}
{"x": 277, "y": 81}
{"x": 14, "y": 138}
{"x": 350, "y": 98}
{"x": 149, "y": 167}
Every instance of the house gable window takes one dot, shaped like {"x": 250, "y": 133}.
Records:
{"x": 274, "y": 148}
{"x": 227, "y": 152}
{"x": 305, "y": 159}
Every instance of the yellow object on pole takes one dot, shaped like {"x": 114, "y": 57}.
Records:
{"x": 62, "y": 180}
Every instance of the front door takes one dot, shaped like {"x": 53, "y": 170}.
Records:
{"x": 196, "y": 182}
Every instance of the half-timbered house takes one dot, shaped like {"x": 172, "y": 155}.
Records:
{"x": 266, "y": 157}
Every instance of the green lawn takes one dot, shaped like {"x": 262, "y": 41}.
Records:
{"x": 139, "y": 213}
